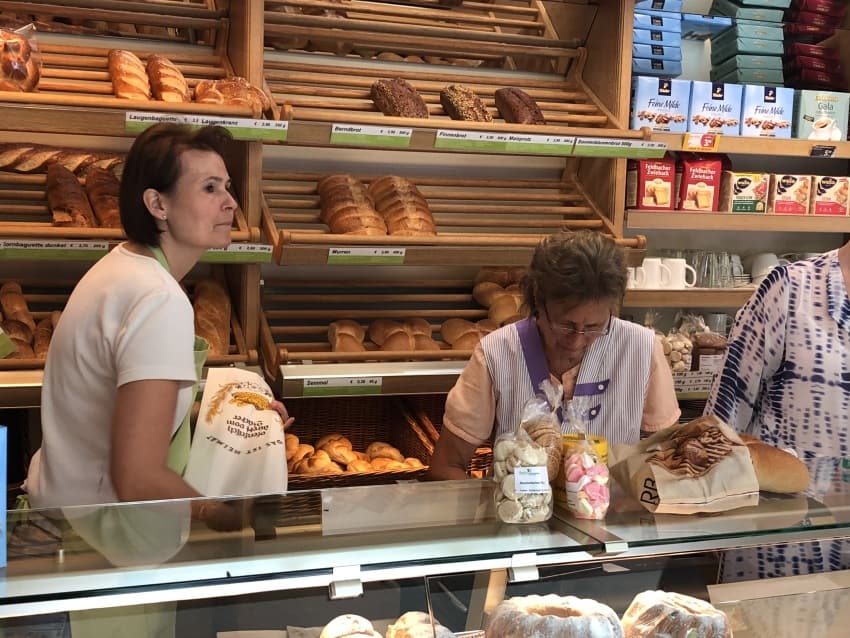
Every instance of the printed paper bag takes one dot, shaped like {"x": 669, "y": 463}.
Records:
{"x": 238, "y": 447}
{"x": 701, "y": 466}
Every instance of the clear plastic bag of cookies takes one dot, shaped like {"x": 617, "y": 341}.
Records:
{"x": 523, "y": 493}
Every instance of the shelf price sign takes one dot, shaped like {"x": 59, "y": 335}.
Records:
{"x": 241, "y": 128}
{"x": 237, "y": 253}
{"x": 359, "y": 135}
{"x": 359, "y": 255}
{"x": 504, "y": 142}
{"x": 346, "y": 386}
{"x": 613, "y": 147}
{"x": 705, "y": 142}
{"x": 64, "y": 249}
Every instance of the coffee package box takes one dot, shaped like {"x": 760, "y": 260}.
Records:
{"x": 767, "y": 111}
{"x": 650, "y": 183}
{"x": 715, "y": 108}
{"x": 660, "y": 104}
{"x": 753, "y": 13}
{"x": 657, "y": 36}
{"x": 761, "y": 77}
{"x": 821, "y": 115}
{"x": 657, "y": 51}
{"x": 831, "y": 195}
{"x": 670, "y": 6}
{"x": 790, "y": 194}
{"x": 744, "y": 192}
{"x": 658, "y": 20}
{"x": 699, "y": 185}
{"x": 723, "y": 50}
{"x": 656, "y": 66}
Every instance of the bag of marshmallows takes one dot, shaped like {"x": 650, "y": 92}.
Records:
{"x": 587, "y": 477}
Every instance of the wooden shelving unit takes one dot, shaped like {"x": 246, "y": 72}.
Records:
{"x": 689, "y": 298}
{"x": 734, "y": 145}
{"x": 681, "y": 220}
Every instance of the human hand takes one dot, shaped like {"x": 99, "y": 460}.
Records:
{"x": 278, "y": 407}
{"x": 226, "y": 516}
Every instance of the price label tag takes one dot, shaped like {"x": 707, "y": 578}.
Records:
{"x": 705, "y": 142}
{"x": 504, "y": 142}
{"x": 240, "y": 128}
{"x": 365, "y": 256}
{"x": 822, "y": 150}
{"x": 342, "y": 386}
{"x": 240, "y": 253}
{"x": 613, "y": 147}
{"x": 531, "y": 480}
{"x": 696, "y": 382}
{"x": 53, "y": 249}
{"x": 359, "y": 135}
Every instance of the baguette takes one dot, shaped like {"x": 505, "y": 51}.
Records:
{"x": 41, "y": 338}
{"x": 212, "y": 315}
{"x": 102, "y": 188}
{"x": 15, "y": 308}
{"x": 776, "y": 470}
{"x": 128, "y": 75}
{"x": 167, "y": 81}
{"x": 35, "y": 158}
{"x": 67, "y": 199}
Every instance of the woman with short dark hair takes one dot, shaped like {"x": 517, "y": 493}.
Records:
{"x": 573, "y": 290}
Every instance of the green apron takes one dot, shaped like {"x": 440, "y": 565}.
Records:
{"x": 143, "y": 621}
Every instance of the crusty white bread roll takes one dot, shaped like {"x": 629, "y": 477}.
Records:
{"x": 333, "y": 437}
{"x": 454, "y": 328}
{"x": 506, "y": 309}
{"x": 346, "y": 326}
{"x": 346, "y": 343}
{"x": 302, "y": 451}
{"x": 401, "y": 341}
{"x": 486, "y": 292}
{"x": 776, "y": 470}
{"x": 167, "y": 81}
{"x": 380, "y": 449}
{"x": 383, "y": 464}
{"x": 381, "y": 329}
{"x": 486, "y": 326}
{"x": 291, "y": 442}
{"x": 425, "y": 344}
{"x": 413, "y": 463}
{"x": 317, "y": 463}
{"x": 340, "y": 453}
{"x": 417, "y": 326}
{"x": 515, "y": 274}
{"x": 128, "y": 75}
{"x": 496, "y": 275}
{"x": 358, "y": 465}
{"x": 467, "y": 341}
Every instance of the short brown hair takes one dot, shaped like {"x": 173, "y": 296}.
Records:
{"x": 154, "y": 162}
{"x": 581, "y": 266}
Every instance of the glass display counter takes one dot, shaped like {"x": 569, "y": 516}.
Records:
{"x": 304, "y": 557}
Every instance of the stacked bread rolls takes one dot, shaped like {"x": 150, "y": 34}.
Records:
{"x": 462, "y": 334}
{"x": 412, "y": 334}
{"x": 31, "y": 338}
{"x": 497, "y": 289}
{"x": 334, "y": 454}
{"x": 402, "y": 206}
{"x": 347, "y": 207}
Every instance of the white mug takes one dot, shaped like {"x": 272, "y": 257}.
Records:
{"x": 654, "y": 274}
{"x": 679, "y": 270}
{"x": 763, "y": 263}
{"x": 635, "y": 278}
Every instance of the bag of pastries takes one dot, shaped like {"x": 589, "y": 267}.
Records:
{"x": 523, "y": 493}
{"x": 20, "y": 60}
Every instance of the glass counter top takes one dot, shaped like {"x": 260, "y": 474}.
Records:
{"x": 369, "y": 534}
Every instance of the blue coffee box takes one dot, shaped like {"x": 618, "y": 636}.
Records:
{"x": 657, "y": 37}
{"x": 767, "y": 111}
{"x": 671, "y": 6}
{"x": 656, "y": 66}
{"x": 715, "y": 108}
{"x": 657, "y": 51}
{"x": 658, "y": 20}
{"x": 660, "y": 104}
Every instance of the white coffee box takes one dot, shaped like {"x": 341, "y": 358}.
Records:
{"x": 821, "y": 115}
{"x": 790, "y": 194}
{"x": 767, "y": 111}
{"x": 715, "y": 108}
{"x": 660, "y": 103}
{"x": 831, "y": 195}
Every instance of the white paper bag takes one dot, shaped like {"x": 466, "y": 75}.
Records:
{"x": 238, "y": 447}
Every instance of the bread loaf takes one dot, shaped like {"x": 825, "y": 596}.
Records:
{"x": 401, "y": 341}
{"x": 128, "y": 75}
{"x": 460, "y": 103}
{"x": 342, "y": 342}
{"x": 235, "y": 91}
{"x": 15, "y": 308}
{"x": 776, "y": 470}
{"x": 396, "y": 97}
{"x": 453, "y": 329}
{"x": 167, "y": 81}
{"x": 41, "y": 338}
{"x": 212, "y": 315}
{"x": 17, "y": 330}
{"x": 35, "y": 158}
{"x": 506, "y": 308}
{"x": 67, "y": 200}
{"x": 346, "y": 206}
{"x": 22, "y": 351}
{"x": 381, "y": 329}
{"x": 102, "y": 188}
{"x": 402, "y": 206}
{"x": 20, "y": 64}
{"x": 517, "y": 107}
{"x": 347, "y": 327}
{"x": 417, "y": 326}
{"x": 499, "y": 276}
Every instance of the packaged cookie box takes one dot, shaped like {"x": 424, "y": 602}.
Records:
{"x": 761, "y": 77}
{"x": 744, "y": 192}
{"x": 747, "y": 61}
{"x": 821, "y": 115}
{"x": 722, "y": 51}
{"x": 754, "y": 30}
{"x": 650, "y": 184}
{"x": 790, "y": 194}
{"x": 658, "y": 20}
{"x": 767, "y": 111}
{"x": 699, "y": 182}
{"x": 660, "y": 103}
{"x": 831, "y": 195}
{"x": 794, "y": 49}
{"x": 715, "y": 108}
{"x": 748, "y": 12}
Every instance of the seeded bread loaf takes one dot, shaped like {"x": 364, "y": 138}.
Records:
{"x": 461, "y": 103}
{"x": 396, "y": 97}
{"x": 517, "y": 107}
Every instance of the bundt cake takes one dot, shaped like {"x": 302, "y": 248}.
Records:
{"x": 553, "y": 616}
{"x": 661, "y": 613}
{"x": 417, "y": 624}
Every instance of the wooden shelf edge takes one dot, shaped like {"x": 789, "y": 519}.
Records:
{"x": 681, "y": 220}
{"x": 759, "y": 146}
{"x": 688, "y": 298}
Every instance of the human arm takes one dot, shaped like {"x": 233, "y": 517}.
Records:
{"x": 467, "y": 422}
{"x": 660, "y": 407}
{"x": 755, "y": 352}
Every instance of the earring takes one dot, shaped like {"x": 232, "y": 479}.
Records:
{"x": 164, "y": 217}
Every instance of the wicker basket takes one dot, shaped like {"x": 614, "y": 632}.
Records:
{"x": 363, "y": 420}
{"x": 424, "y": 416}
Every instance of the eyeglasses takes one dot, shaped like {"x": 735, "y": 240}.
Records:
{"x": 570, "y": 330}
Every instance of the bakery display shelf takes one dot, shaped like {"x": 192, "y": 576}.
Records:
{"x": 689, "y": 298}
{"x": 75, "y": 90}
{"x": 175, "y": 20}
{"x": 46, "y": 298}
{"x": 25, "y": 214}
{"x": 757, "y": 146}
{"x": 20, "y": 388}
{"x": 503, "y": 34}
{"x": 328, "y": 92}
{"x": 479, "y": 221}
{"x": 680, "y": 220}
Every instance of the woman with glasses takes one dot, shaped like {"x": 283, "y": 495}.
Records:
{"x": 572, "y": 290}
